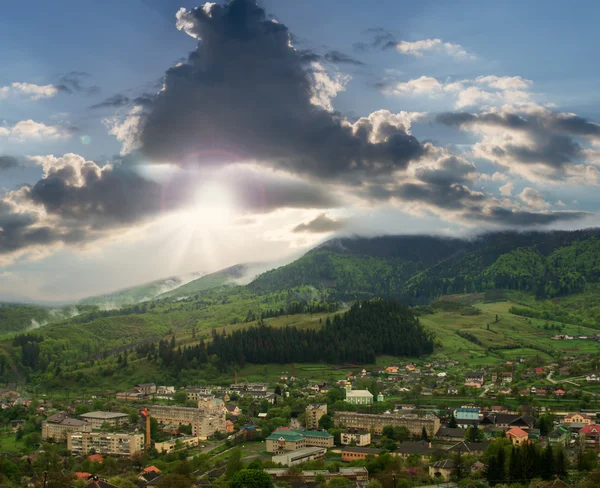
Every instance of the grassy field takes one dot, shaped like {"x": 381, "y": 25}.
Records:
{"x": 480, "y": 339}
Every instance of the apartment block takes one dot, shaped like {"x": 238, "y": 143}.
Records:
{"x": 376, "y": 422}
{"x": 111, "y": 444}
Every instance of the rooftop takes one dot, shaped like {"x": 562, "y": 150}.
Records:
{"x": 103, "y": 415}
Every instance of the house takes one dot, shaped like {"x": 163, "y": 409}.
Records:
{"x": 404, "y": 406}
{"x": 96, "y": 482}
{"x": 508, "y": 420}
{"x": 591, "y": 435}
{"x": 358, "y": 397}
{"x": 392, "y": 369}
{"x": 427, "y": 392}
{"x": 468, "y": 447}
{"x": 411, "y": 367}
{"x": 592, "y": 378}
{"x": 350, "y": 454}
{"x": 467, "y": 416}
{"x": 146, "y": 388}
{"x": 506, "y": 377}
{"x": 504, "y": 390}
{"x": 233, "y": 410}
{"x": 229, "y": 426}
{"x": 442, "y": 470}
{"x": 559, "y": 393}
{"x": 474, "y": 380}
{"x": 422, "y": 449}
{"x": 564, "y": 371}
{"x": 517, "y": 436}
{"x": 580, "y": 418}
{"x": 453, "y": 390}
{"x": 450, "y": 434}
{"x": 539, "y": 371}
{"x": 478, "y": 467}
{"x": 364, "y": 372}
{"x": 498, "y": 409}
{"x": 560, "y": 435}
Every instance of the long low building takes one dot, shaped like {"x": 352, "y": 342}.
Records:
{"x": 283, "y": 440}
{"x": 300, "y": 456}
{"x": 377, "y": 422}
{"x": 112, "y": 444}
{"x": 110, "y": 419}
{"x": 356, "y": 473}
{"x": 178, "y": 444}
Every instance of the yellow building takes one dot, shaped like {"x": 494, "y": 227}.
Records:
{"x": 113, "y": 444}
{"x": 57, "y": 426}
{"x": 314, "y": 414}
{"x": 179, "y": 444}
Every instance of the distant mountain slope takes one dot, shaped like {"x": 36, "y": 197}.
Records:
{"x": 140, "y": 293}
{"x": 418, "y": 269}
{"x": 18, "y": 317}
{"x": 361, "y": 267}
{"x": 223, "y": 277}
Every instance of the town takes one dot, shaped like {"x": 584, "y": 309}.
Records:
{"x": 406, "y": 424}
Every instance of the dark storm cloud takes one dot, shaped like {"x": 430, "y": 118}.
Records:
{"x": 8, "y": 162}
{"x": 518, "y": 218}
{"x": 338, "y": 57}
{"x": 550, "y": 134}
{"x": 452, "y": 196}
{"x": 245, "y": 91}
{"x": 320, "y": 225}
{"x": 266, "y": 194}
{"x": 116, "y": 101}
{"x": 75, "y": 81}
{"x": 449, "y": 170}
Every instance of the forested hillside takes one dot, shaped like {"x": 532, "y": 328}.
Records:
{"x": 417, "y": 270}
{"x": 365, "y": 331}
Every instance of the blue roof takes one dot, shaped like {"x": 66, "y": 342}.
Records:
{"x": 468, "y": 409}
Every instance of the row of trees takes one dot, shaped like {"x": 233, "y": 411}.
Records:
{"x": 521, "y": 464}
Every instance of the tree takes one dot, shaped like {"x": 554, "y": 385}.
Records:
{"x": 340, "y": 483}
{"x": 180, "y": 397}
{"x": 547, "y": 466}
{"x": 234, "y": 463}
{"x": 326, "y": 422}
{"x": 174, "y": 481}
{"x": 250, "y": 478}
{"x": 474, "y": 434}
{"x": 561, "y": 463}
{"x": 452, "y": 423}
{"x": 424, "y": 434}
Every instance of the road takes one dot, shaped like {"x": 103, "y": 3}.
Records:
{"x": 549, "y": 378}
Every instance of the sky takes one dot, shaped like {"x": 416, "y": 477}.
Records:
{"x": 154, "y": 138}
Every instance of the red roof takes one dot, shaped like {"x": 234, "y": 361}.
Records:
{"x": 95, "y": 458}
{"x": 516, "y": 432}
{"x": 591, "y": 429}
{"x": 559, "y": 392}
{"x": 151, "y": 468}
{"x": 539, "y": 370}
{"x": 82, "y": 475}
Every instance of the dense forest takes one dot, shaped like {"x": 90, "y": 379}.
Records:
{"x": 419, "y": 269}
{"x": 366, "y": 330}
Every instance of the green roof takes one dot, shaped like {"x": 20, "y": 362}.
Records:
{"x": 296, "y": 435}
{"x": 316, "y": 433}
{"x": 288, "y": 435}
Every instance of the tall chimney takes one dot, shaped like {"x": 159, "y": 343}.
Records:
{"x": 146, "y": 415}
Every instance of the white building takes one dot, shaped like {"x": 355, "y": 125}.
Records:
{"x": 358, "y": 397}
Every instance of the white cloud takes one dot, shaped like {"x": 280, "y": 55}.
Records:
{"x": 382, "y": 120}
{"x": 484, "y": 90}
{"x": 326, "y": 87}
{"x": 126, "y": 130}
{"x": 425, "y": 85}
{"x": 506, "y": 190}
{"x": 418, "y": 48}
{"x": 29, "y": 91}
{"x": 533, "y": 198}
{"x": 30, "y": 130}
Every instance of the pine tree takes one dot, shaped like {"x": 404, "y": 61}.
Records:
{"x": 452, "y": 423}
{"x": 547, "y": 466}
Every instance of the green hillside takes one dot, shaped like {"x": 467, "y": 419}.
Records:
{"x": 550, "y": 282}
{"x": 227, "y": 276}
{"x": 137, "y": 294}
